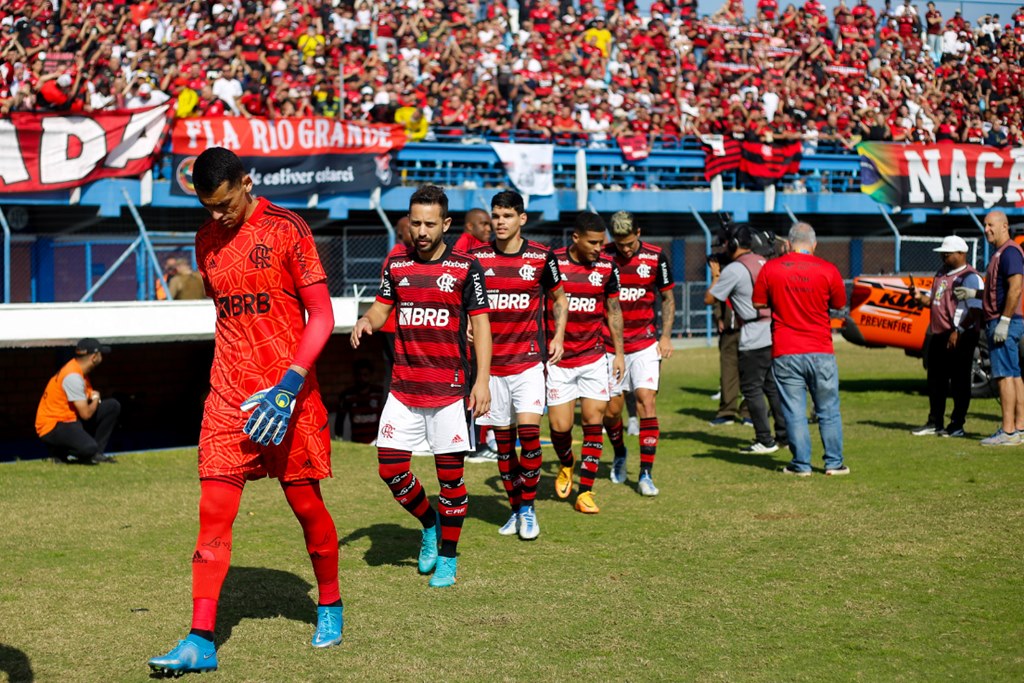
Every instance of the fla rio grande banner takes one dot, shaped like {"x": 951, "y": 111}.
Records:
{"x": 943, "y": 174}
{"x": 43, "y": 152}
{"x": 289, "y": 157}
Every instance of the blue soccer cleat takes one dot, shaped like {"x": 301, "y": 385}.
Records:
{"x": 192, "y": 655}
{"x": 428, "y": 550}
{"x": 329, "y": 622}
{"x": 618, "y": 475}
{"x": 529, "y": 529}
{"x": 444, "y": 575}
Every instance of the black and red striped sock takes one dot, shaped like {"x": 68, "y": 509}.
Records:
{"x": 321, "y": 536}
{"x": 593, "y": 444}
{"x": 649, "y": 434}
{"x": 452, "y": 500}
{"x": 614, "y": 430}
{"x": 530, "y": 461}
{"x": 562, "y": 442}
{"x": 219, "y": 498}
{"x": 393, "y": 468}
{"x": 508, "y": 466}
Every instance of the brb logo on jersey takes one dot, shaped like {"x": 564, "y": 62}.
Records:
{"x": 527, "y": 272}
{"x": 243, "y": 304}
{"x": 504, "y": 301}
{"x": 643, "y": 270}
{"x": 595, "y": 278}
{"x": 446, "y": 283}
{"x": 420, "y": 316}
{"x": 631, "y": 293}
{"x": 260, "y": 256}
{"x": 587, "y": 304}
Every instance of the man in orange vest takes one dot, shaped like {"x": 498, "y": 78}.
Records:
{"x": 72, "y": 419}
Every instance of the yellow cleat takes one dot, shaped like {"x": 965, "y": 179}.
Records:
{"x": 585, "y": 503}
{"x": 563, "y": 483}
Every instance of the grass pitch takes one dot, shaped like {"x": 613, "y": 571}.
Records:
{"x": 908, "y": 570}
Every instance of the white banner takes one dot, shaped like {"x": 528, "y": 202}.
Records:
{"x": 531, "y": 168}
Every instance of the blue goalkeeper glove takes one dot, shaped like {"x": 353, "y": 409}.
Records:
{"x": 273, "y": 409}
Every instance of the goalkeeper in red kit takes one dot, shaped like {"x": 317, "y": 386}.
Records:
{"x": 264, "y": 416}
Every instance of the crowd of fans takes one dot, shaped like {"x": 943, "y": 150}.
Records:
{"x": 569, "y": 72}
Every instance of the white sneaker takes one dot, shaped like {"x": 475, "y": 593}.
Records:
{"x": 511, "y": 527}
{"x": 483, "y": 455}
{"x": 717, "y": 396}
{"x": 633, "y": 428}
{"x": 646, "y": 486}
{"x": 529, "y": 529}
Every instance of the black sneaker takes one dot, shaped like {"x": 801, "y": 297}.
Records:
{"x": 927, "y": 430}
{"x": 955, "y": 431}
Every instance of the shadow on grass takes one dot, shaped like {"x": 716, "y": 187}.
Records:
{"x": 764, "y": 462}
{"x": 716, "y": 439}
{"x": 16, "y": 665}
{"x": 887, "y": 385}
{"x": 704, "y": 416}
{"x": 260, "y": 593}
{"x": 390, "y": 544}
{"x": 898, "y": 426}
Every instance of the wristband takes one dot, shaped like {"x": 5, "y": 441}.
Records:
{"x": 1005, "y": 318}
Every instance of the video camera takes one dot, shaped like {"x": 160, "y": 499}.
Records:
{"x": 731, "y": 236}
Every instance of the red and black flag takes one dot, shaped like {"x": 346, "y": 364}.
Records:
{"x": 766, "y": 162}
{"x": 721, "y": 154}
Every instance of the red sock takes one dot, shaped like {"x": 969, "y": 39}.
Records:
{"x": 218, "y": 506}
{"x": 393, "y": 468}
{"x": 452, "y": 500}
{"x": 508, "y": 466}
{"x": 562, "y": 442}
{"x": 481, "y": 435}
{"x": 593, "y": 444}
{"x": 529, "y": 462}
{"x": 649, "y": 434}
{"x": 321, "y": 536}
{"x": 614, "y": 430}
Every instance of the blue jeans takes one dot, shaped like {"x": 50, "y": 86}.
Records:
{"x": 796, "y": 374}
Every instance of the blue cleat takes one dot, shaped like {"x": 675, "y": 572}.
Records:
{"x": 329, "y": 622}
{"x": 444, "y": 575}
{"x": 528, "y": 527}
{"x": 618, "y": 475}
{"x": 428, "y": 549}
{"x": 192, "y": 655}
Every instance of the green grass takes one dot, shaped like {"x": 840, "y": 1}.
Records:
{"x": 908, "y": 570}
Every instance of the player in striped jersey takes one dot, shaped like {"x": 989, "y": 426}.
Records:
{"x": 643, "y": 271}
{"x": 519, "y": 272}
{"x": 435, "y": 290}
{"x": 591, "y": 285}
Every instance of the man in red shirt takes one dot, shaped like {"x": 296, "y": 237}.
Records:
{"x": 260, "y": 266}
{"x": 439, "y": 293}
{"x": 477, "y": 232}
{"x": 800, "y": 288}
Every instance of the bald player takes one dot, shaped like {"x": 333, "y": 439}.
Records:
{"x": 477, "y": 233}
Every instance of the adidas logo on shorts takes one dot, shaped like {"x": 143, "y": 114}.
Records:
{"x": 457, "y": 439}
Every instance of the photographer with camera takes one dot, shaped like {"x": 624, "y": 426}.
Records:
{"x": 747, "y": 250}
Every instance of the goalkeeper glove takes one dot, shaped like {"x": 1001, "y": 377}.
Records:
{"x": 965, "y": 293}
{"x": 273, "y": 409}
{"x": 1002, "y": 330}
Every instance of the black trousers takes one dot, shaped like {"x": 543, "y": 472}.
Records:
{"x": 84, "y": 439}
{"x": 949, "y": 374}
{"x": 757, "y": 382}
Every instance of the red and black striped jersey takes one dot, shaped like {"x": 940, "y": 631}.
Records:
{"x": 434, "y": 300}
{"x": 586, "y": 288}
{"x": 253, "y": 274}
{"x": 516, "y": 285}
{"x": 639, "y": 277}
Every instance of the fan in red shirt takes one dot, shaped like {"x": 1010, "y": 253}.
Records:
{"x": 438, "y": 292}
{"x": 260, "y": 266}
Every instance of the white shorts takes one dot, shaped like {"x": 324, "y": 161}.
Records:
{"x": 586, "y": 381}
{"x": 405, "y": 428}
{"x": 643, "y": 371}
{"x": 522, "y": 393}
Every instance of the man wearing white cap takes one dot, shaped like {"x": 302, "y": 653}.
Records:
{"x": 955, "y": 327}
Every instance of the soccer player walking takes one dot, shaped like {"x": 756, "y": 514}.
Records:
{"x": 591, "y": 285}
{"x": 260, "y": 266}
{"x": 437, "y": 291}
{"x": 519, "y": 272}
{"x": 643, "y": 271}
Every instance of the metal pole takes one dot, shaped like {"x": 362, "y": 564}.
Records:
{"x": 792, "y": 216}
{"x": 7, "y": 257}
{"x": 144, "y": 236}
{"x": 981, "y": 227}
{"x": 707, "y": 270}
{"x": 896, "y": 232}
{"x": 111, "y": 270}
{"x": 375, "y": 203}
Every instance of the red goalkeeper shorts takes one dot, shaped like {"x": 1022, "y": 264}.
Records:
{"x": 305, "y": 452}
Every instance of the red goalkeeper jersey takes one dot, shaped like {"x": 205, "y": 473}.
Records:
{"x": 253, "y": 275}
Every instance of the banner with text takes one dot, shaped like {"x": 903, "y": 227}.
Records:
{"x": 943, "y": 174}
{"x": 289, "y": 157}
{"x": 44, "y": 152}
{"x": 531, "y": 168}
